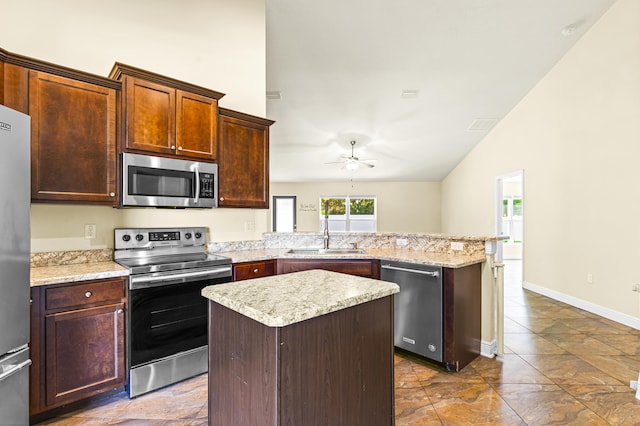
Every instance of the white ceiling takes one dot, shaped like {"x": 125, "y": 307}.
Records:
{"x": 342, "y": 65}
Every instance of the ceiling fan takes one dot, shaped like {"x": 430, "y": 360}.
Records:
{"x": 352, "y": 163}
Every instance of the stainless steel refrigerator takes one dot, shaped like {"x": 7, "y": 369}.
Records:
{"x": 15, "y": 247}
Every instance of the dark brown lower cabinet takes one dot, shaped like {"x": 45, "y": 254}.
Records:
{"x": 462, "y": 301}
{"x": 77, "y": 342}
{"x": 257, "y": 269}
{"x": 362, "y": 267}
{"x": 335, "y": 369}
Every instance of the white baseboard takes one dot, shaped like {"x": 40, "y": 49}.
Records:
{"x": 489, "y": 349}
{"x": 616, "y": 316}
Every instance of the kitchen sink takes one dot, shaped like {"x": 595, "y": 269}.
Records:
{"x": 327, "y": 251}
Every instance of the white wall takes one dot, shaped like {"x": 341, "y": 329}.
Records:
{"x": 215, "y": 44}
{"x": 576, "y": 136}
{"x": 402, "y": 206}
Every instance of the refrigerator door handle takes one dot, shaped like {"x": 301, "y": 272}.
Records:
{"x": 15, "y": 369}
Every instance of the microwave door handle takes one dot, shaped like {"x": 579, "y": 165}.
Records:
{"x": 197, "y": 198}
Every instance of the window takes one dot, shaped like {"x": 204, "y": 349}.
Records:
{"x": 349, "y": 213}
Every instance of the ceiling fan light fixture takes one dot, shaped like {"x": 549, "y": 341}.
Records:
{"x": 352, "y": 165}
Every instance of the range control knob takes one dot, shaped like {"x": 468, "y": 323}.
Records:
{"x": 198, "y": 235}
{"x": 139, "y": 237}
{"x": 126, "y": 237}
{"x": 187, "y": 235}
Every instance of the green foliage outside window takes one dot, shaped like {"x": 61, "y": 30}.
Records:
{"x": 360, "y": 206}
{"x": 517, "y": 207}
{"x": 337, "y": 206}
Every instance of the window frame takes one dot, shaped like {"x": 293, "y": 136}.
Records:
{"x": 348, "y": 219}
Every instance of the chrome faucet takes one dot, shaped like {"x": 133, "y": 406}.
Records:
{"x": 325, "y": 238}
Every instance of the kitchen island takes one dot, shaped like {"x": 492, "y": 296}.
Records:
{"x": 307, "y": 348}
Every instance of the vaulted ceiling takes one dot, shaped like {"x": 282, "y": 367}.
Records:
{"x": 416, "y": 83}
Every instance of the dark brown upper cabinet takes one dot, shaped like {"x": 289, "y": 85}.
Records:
{"x": 167, "y": 117}
{"x": 243, "y": 160}
{"x": 73, "y": 140}
{"x": 73, "y": 129}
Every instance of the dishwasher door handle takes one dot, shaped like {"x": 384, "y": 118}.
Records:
{"x": 415, "y": 271}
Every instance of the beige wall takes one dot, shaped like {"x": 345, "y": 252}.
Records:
{"x": 218, "y": 44}
{"x": 402, "y": 206}
{"x": 576, "y": 136}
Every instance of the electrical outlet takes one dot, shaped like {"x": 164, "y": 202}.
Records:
{"x": 249, "y": 226}
{"x": 589, "y": 278}
{"x": 90, "y": 231}
{"x": 401, "y": 242}
{"x": 457, "y": 246}
{"x": 635, "y": 287}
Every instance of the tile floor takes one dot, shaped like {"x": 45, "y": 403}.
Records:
{"x": 562, "y": 366}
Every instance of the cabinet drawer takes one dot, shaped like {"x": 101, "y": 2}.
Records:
{"x": 248, "y": 270}
{"x": 86, "y": 293}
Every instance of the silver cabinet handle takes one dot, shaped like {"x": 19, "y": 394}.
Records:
{"x": 120, "y": 311}
{"x": 255, "y": 271}
{"x": 173, "y": 147}
{"x": 112, "y": 194}
{"x": 417, "y": 271}
{"x": 88, "y": 294}
{"x": 179, "y": 148}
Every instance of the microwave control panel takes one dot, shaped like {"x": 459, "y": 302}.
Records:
{"x": 207, "y": 182}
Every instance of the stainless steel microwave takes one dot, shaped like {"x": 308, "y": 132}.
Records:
{"x": 150, "y": 181}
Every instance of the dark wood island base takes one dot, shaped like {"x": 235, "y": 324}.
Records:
{"x": 334, "y": 369}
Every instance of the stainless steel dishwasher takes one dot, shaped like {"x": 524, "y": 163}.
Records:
{"x": 417, "y": 308}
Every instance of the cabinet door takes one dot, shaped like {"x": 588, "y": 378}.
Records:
{"x": 243, "y": 164}
{"x": 363, "y": 268}
{"x": 149, "y": 116}
{"x": 73, "y": 140}
{"x": 196, "y": 126}
{"x": 84, "y": 352}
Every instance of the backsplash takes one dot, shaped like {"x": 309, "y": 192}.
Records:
{"x": 55, "y": 258}
{"x": 419, "y": 242}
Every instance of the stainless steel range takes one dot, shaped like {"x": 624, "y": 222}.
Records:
{"x": 167, "y": 315}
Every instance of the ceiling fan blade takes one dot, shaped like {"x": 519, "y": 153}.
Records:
{"x": 335, "y": 162}
{"x": 367, "y": 164}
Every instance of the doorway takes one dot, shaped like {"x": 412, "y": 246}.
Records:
{"x": 510, "y": 223}
{"x": 510, "y": 216}
{"x": 284, "y": 214}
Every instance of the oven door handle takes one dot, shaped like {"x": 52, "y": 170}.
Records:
{"x": 138, "y": 282}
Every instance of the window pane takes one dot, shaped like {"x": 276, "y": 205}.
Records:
{"x": 362, "y": 206}
{"x": 505, "y": 208}
{"x": 363, "y": 226}
{"x": 337, "y": 206}
{"x": 517, "y": 207}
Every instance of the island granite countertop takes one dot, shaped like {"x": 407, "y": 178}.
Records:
{"x": 281, "y": 300}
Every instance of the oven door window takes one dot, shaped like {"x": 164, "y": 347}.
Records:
{"x": 167, "y": 320}
{"x": 161, "y": 182}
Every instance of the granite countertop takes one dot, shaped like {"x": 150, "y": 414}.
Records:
{"x": 44, "y": 275}
{"x": 398, "y": 255}
{"x": 281, "y": 300}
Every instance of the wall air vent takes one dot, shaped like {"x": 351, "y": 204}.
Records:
{"x": 482, "y": 124}
{"x": 409, "y": 94}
